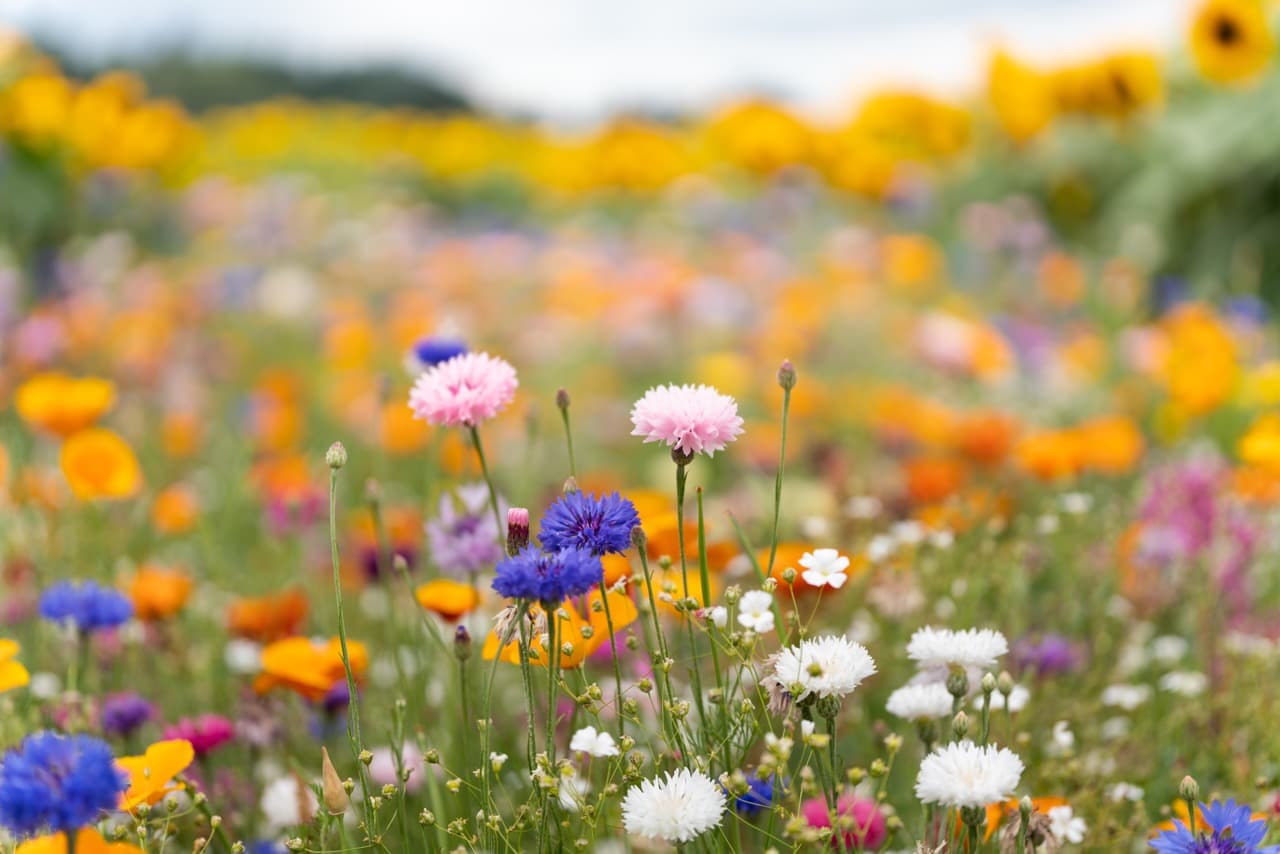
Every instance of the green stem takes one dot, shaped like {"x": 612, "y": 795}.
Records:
{"x": 493, "y": 491}
{"x": 568, "y": 437}
{"x": 777, "y": 483}
{"x": 613, "y": 656}
{"x": 695, "y": 675}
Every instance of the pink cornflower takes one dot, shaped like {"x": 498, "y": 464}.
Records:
{"x": 690, "y": 419}
{"x": 463, "y": 391}
{"x": 206, "y": 732}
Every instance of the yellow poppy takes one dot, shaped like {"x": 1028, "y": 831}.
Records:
{"x": 308, "y": 668}
{"x": 450, "y": 599}
{"x": 62, "y": 405}
{"x": 97, "y": 463}
{"x": 1231, "y": 40}
{"x": 12, "y": 673}
{"x": 151, "y": 774}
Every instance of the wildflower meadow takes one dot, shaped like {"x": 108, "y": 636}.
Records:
{"x": 376, "y": 479}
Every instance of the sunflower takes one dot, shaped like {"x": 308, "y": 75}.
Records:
{"x": 1230, "y": 40}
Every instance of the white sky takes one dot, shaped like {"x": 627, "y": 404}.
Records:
{"x": 574, "y": 59}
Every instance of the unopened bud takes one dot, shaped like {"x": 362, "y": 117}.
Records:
{"x": 1004, "y": 683}
{"x": 336, "y": 456}
{"x": 960, "y": 724}
{"x": 988, "y": 683}
{"x": 461, "y": 643}
{"x": 517, "y": 529}
{"x": 562, "y": 399}
{"x": 787, "y": 375}
{"x": 335, "y": 799}
{"x": 570, "y": 486}
{"x": 638, "y": 538}
{"x": 1189, "y": 789}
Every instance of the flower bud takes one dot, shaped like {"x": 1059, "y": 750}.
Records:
{"x": 1004, "y": 683}
{"x": 336, "y": 456}
{"x": 461, "y": 643}
{"x": 517, "y": 529}
{"x": 1189, "y": 789}
{"x": 638, "y": 538}
{"x": 988, "y": 683}
{"x": 958, "y": 683}
{"x": 787, "y": 375}
{"x": 562, "y": 400}
{"x": 960, "y": 724}
{"x": 335, "y": 799}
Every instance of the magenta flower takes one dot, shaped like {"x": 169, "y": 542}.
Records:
{"x": 206, "y": 732}
{"x": 690, "y": 419}
{"x": 463, "y": 391}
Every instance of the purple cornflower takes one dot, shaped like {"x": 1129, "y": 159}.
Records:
{"x": 1048, "y": 654}
{"x": 464, "y": 542}
{"x": 548, "y": 577}
{"x": 759, "y": 796}
{"x": 88, "y": 605}
{"x": 122, "y": 714}
{"x": 430, "y": 351}
{"x": 1228, "y": 828}
{"x": 58, "y": 783}
{"x": 600, "y": 524}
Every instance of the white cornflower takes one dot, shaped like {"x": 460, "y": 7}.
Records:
{"x": 755, "y": 611}
{"x": 928, "y": 701}
{"x": 1127, "y": 697}
{"x": 1188, "y": 683}
{"x": 597, "y": 744}
{"x": 1018, "y": 699}
{"x": 824, "y": 568}
{"x": 829, "y": 666}
{"x": 961, "y": 774}
{"x": 287, "y": 801}
{"x": 676, "y": 808}
{"x": 1065, "y": 826}
{"x": 1124, "y": 792}
{"x": 972, "y": 649}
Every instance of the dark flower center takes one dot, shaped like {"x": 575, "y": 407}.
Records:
{"x": 1226, "y": 31}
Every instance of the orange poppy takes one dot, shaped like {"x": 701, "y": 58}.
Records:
{"x": 307, "y": 667}
{"x": 621, "y": 609}
{"x": 180, "y": 433}
{"x": 1111, "y": 444}
{"x": 88, "y": 841}
{"x": 986, "y": 437}
{"x": 151, "y": 774}
{"x": 62, "y": 405}
{"x": 175, "y": 510}
{"x": 400, "y": 432}
{"x": 268, "y": 618}
{"x": 159, "y": 593}
{"x": 1049, "y": 454}
{"x": 97, "y": 463}
{"x": 932, "y": 479}
{"x": 450, "y": 599}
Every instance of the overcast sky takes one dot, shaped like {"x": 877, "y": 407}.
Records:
{"x": 574, "y": 59}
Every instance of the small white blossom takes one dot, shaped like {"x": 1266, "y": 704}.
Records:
{"x": 1125, "y": 792}
{"x": 755, "y": 611}
{"x": 1186, "y": 683}
{"x": 1127, "y": 697}
{"x": 1066, "y": 826}
{"x": 824, "y": 568}
{"x": 595, "y": 743}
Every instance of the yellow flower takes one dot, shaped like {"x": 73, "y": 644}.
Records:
{"x": 1021, "y": 96}
{"x": 450, "y": 599}
{"x": 1200, "y": 370}
{"x": 1231, "y": 40}
{"x": 62, "y": 405}
{"x": 151, "y": 774}
{"x": 1260, "y": 446}
{"x": 88, "y": 841}
{"x": 12, "y": 673}
{"x": 97, "y": 463}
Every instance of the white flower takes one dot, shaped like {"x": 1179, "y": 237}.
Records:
{"x": 242, "y": 656}
{"x": 1169, "y": 648}
{"x": 1185, "y": 682}
{"x": 1124, "y": 792}
{"x": 822, "y": 667}
{"x": 287, "y": 801}
{"x": 961, "y": 774}
{"x": 1114, "y": 728}
{"x": 807, "y": 728}
{"x": 573, "y": 790}
{"x": 815, "y": 527}
{"x": 863, "y": 507}
{"x": 44, "y": 685}
{"x": 824, "y": 568}
{"x": 497, "y": 760}
{"x": 942, "y": 540}
{"x": 1064, "y": 740}
{"x": 718, "y": 616}
{"x": 1065, "y": 826}
{"x": 1127, "y": 697}
{"x": 1047, "y": 524}
{"x": 676, "y": 808}
{"x": 928, "y": 701}
{"x": 588, "y": 740}
{"x": 881, "y": 547}
{"x": 933, "y": 649}
{"x": 755, "y": 611}
{"x": 1076, "y": 503}
{"x": 908, "y": 533}
{"x": 1018, "y": 699}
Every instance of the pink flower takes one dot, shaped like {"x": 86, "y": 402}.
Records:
{"x": 867, "y": 828}
{"x": 206, "y": 733}
{"x": 463, "y": 391}
{"x": 691, "y": 419}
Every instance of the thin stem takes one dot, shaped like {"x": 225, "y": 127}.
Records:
{"x": 682, "y": 474}
{"x": 613, "y": 655}
{"x": 493, "y": 491}
{"x": 777, "y": 483}
{"x": 568, "y": 438}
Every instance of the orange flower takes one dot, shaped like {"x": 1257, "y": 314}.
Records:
{"x": 88, "y": 841}
{"x": 930, "y": 479}
{"x": 175, "y": 510}
{"x": 621, "y": 609}
{"x": 986, "y": 437}
{"x": 308, "y": 668}
{"x": 787, "y": 557}
{"x": 997, "y": 812}
{"x": 180, "y": 433}
{"x": 151, "y": 774}
{"x": 1050, "y": 454}
{"x": 159, "y": 593}
{"x": 99, "y": 464}
{"x": 268, "y": 618}
{"x": 63, "y": 405}
{"x": 450, "y": 599}
{"x": 12, "y": 673}
{"x": 662, "y": 540}
{"x": 401, "y": 434}
{"x": 1111, "y": 445}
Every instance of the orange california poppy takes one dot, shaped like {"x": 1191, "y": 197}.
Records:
{"x": 62, "y": 405}
{"x": 307, "y": 667}
{"x": 97, "y": 463}
{"x": 448, "y": 598}
{"x": 12, "y": 673}
{"x": 180, "y": 433}
{"x": 932, "y": 479}
{"x": 1110, "y": 444}
{"x": 1050, "y": 454}
{"x": 151, "y": 774}
{"x": 787, "y": 557}
{"x": 400, "y": 432}
{"x": 986, "y": 437}
{"x": 159, "y": 593}
{"x": 268, "y": 618}
{"x": 88, "y": 841}
{"x": 621, "y": 609}
{"x": 175, "y": 510}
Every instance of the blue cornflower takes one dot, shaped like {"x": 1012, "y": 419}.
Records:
{"x": 429, "y": 351}
{"x": 548, "y": 577}
{"x": 122, "y": 714}
{"x": 58, "y": 783}
{"x": 87, "y": 605}
{"x": 1228, "y": 828}
{"x": 759, "y": 796}
{"x": 600, "y": 524}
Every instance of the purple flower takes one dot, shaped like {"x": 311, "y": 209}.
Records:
{"x": 122, "y": 714}
{"x": 1228, "y": 828}
{"x": 206, "y": 732}
{"x": 59, "y": 783}
{"x": 1047, "y": 654}
{"x": 601, "y": 525}
{"x": 88, "y": 605}
{"x": 430, "y": 351}
{"x": 548, "y": 577}
{"x": 468, "y": 541}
